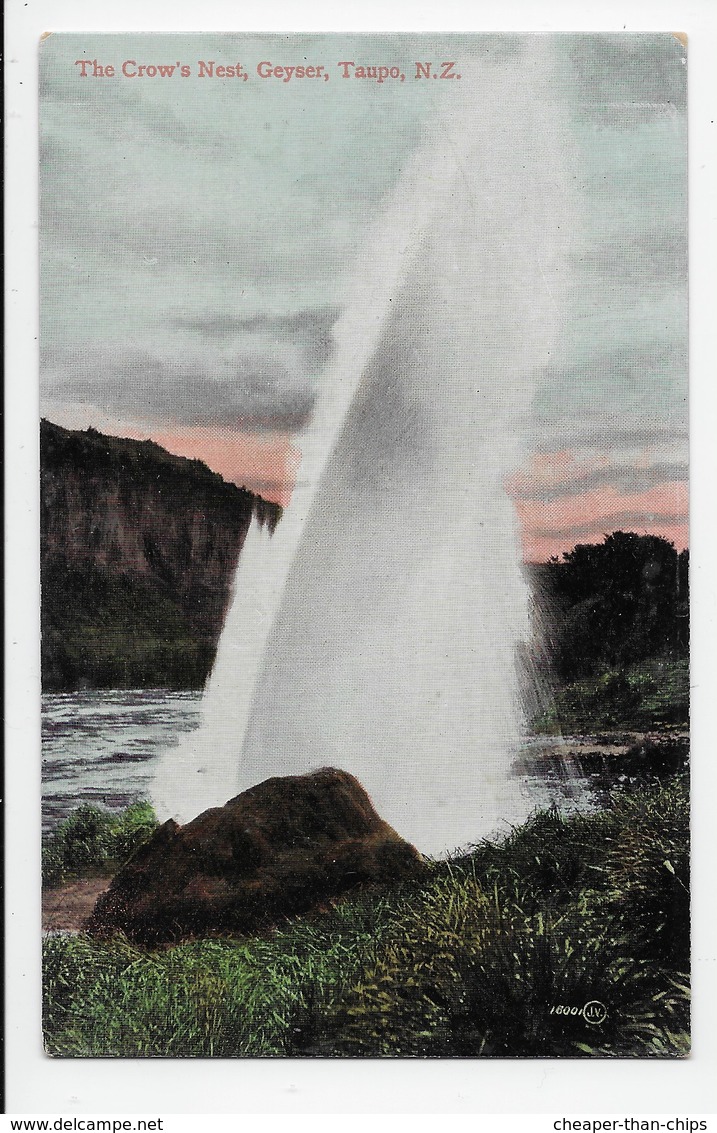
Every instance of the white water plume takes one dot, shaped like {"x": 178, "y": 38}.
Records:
{"x": 376, "y": 630}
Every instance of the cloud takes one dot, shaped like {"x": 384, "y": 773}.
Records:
{"x": 637, "y": 258}
{"x": 628, "y": 79}
{"x": 606, "y": 505}
{"x": 117, "y": 108}
{"x": 627, "y": 362}
{"x": 310, "y": 329}
{"x": 249, "y": 390}
{"x": 612, "y": 397}
{"x": 625, "y": 478}
{"x": 601, "y": 432}
{"x": 201, "y": 369}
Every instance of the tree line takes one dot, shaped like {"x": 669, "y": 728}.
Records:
{"x": 616, "y": 603}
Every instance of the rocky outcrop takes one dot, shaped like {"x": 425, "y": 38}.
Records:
{"x": 139, "y": 549}
{"x": 283, "y": 847}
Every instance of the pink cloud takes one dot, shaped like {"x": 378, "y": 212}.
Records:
{"x": 551, "y": 527}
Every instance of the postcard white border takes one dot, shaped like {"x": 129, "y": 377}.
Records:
{"x": 37, "y": 1084}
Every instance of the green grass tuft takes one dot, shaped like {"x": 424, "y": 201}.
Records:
{"x": 94, "y": 841}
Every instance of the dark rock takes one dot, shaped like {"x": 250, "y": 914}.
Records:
{"x": 280, "y": 848}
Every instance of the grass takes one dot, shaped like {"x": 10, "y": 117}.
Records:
{"x": 564, "y": 913}
{"x": 475, "y": 960}
{"x": 207, "y": 998}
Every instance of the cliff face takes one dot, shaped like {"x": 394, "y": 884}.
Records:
{"x": 139, "y": 549}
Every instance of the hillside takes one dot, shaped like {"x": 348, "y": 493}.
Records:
{"x": 138, "y": 552}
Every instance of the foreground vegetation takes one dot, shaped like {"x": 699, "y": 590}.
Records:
{"x": 495, "y": 953}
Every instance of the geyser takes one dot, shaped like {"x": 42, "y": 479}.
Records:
{"x": 376, "y": 631}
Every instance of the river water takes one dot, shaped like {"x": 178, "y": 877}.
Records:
{"x": 102, "y": 747}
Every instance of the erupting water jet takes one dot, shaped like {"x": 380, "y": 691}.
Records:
{"x": 376, "y": 630}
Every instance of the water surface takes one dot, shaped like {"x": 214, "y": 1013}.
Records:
{"x": 102, "y": 747}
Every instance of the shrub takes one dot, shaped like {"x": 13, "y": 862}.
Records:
{"x": 652, "y": 694}
{"x": 93, "y": 840}
{"x": 465, "y": 974}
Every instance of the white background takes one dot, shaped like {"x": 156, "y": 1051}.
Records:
{"x": 39, "y": 1085}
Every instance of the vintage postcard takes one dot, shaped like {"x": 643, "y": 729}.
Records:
{"x": 364, "y": 545}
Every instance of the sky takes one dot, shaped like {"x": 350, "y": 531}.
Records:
{"x": 197, "y": 235}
